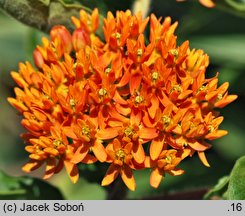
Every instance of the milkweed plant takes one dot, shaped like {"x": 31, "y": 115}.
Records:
{"x": 125, "y": 100}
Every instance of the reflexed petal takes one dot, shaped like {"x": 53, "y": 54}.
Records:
{"x": 148, "y": 162}
{"x": 216, "y": 122}
{"x": 118, "y": 99}
{"x": 128, "y": 147}
{"x": 176, "y": 172}
{"x": 227, "y": 100}
{"x": 80, "y": 154}
{"x": 32, "y": 165}
{"x": 107, "y": 133}
{"x": 156, "y": 177}
{"x": 18, "y": 105}
{"x": 135, "y": 117}
{"x": 50, "y": 168}
{"x": 110, "y": 175}
{"x": 148, "y": 133}
{"x": 89, "y": 159}
{"x": 154, "y": 106}
{"x": 134, "y": 83}
{"x": 51, "y": 151}
{"x": 138, "y": 153}
{"x": 99, "y": 151}
{"x": 216, "y": 134}
{"x": 72, "y": 171}
{"x": 156, "y": 148}
{"x": 198, "y": 146}
{"x": 207, "y": 3}
{"x": 203, "y": 158}
{"x": 186, "y": 152}
{"x": 128, "y": 178}
{"x": 68, "y": 131}
{"x": 116, "y": 144}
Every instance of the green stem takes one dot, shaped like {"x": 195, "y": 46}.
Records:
{"x": 43, "y": 15}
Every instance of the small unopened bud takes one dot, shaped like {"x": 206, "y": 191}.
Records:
{"x": 64, "y": 35}
{"x": 38, "y": 58}
{"x": 80, "y": 39}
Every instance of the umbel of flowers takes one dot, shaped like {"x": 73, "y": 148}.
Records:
{"x": 123, "y": 101}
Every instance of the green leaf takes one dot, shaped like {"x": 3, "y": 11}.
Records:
{"x": 236, "y": 188}
{"x": 231, "y": 187}
{"x": 238, "y": 5}
{"x": 219, "y": 189}
{"x": 26, "y": 188}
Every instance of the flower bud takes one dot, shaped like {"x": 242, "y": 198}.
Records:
{"x": 80, "y": 39}
{"x": 38, "y": 58}
{"x": 64, "y": 35}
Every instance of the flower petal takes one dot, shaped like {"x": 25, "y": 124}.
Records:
{"x": 147, "y": 133}
{"x": 216, "y": 134}
{"x": 134, "y": 82}
{"x": 207, "y": 3}
{"x": 138, "y": 153}
{"x": 80, "y": 154}
{"x": 107, "y": 133}
{"x": 68, "y": 131}
{"x": 99, "y": 151}
{"x": 176, "y": 172}
{"x": 110, "y": 175}
{"x": 203, "y": 158}
{"x": 156, "y": 147}
{"x": 89, "y": 159}
{"x": 156, "y": 177}
{"x": 72, "y": 171}
{"x": 50, "y": 168}
{"x": 128, "y": 178}
{"x": 198, "y": 146}
{"x": 32, "y": 165}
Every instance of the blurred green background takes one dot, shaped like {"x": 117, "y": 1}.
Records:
{"x": 218, "y": 33}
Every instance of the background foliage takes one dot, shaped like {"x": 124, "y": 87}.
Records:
{"x": 219, "y": 31}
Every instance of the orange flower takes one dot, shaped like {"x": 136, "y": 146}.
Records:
{"x": 50, "y": 149}
{"x": 166, "y": 162}
{"x": 83, "y": 134}
{"x": 121, "y": 158}
{"x": 118, "y": 101}
{"x": 206, "y": 3}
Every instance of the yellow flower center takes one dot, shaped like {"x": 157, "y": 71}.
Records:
{"x": 120, "y": 155}
{"x": 139, "y": 99}
{"x": 166, "y": 120}
{"x": 129, "y": 132}
{"x": 72, "y": 103}
{"x": 210, "y": 128}
{"x": 174, "y": 52}
{"x": 168, "y": 159}
{"x": 192, "y": 125}
{"x": 86, "y": 131}
{"x": 219, "y": 97}
{"x": 118, "y": 36}
{"x": 201, "y": 88}
{"x": 102, "y": 92}
{"x": 38, "y": 149}
{"x": 176, "y": 88}
{"x": 57, "y": 143}
{"x": 89, "y": 23}
{"x": 155, "y": 76}
{"x": 33, "y": 117}
{"x": 139, "y": 52}
{"x": 107, "y": 70}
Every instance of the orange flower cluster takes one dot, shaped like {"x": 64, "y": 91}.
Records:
{"x": 206, "y": 3}
{"x": 127, "y": 102}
